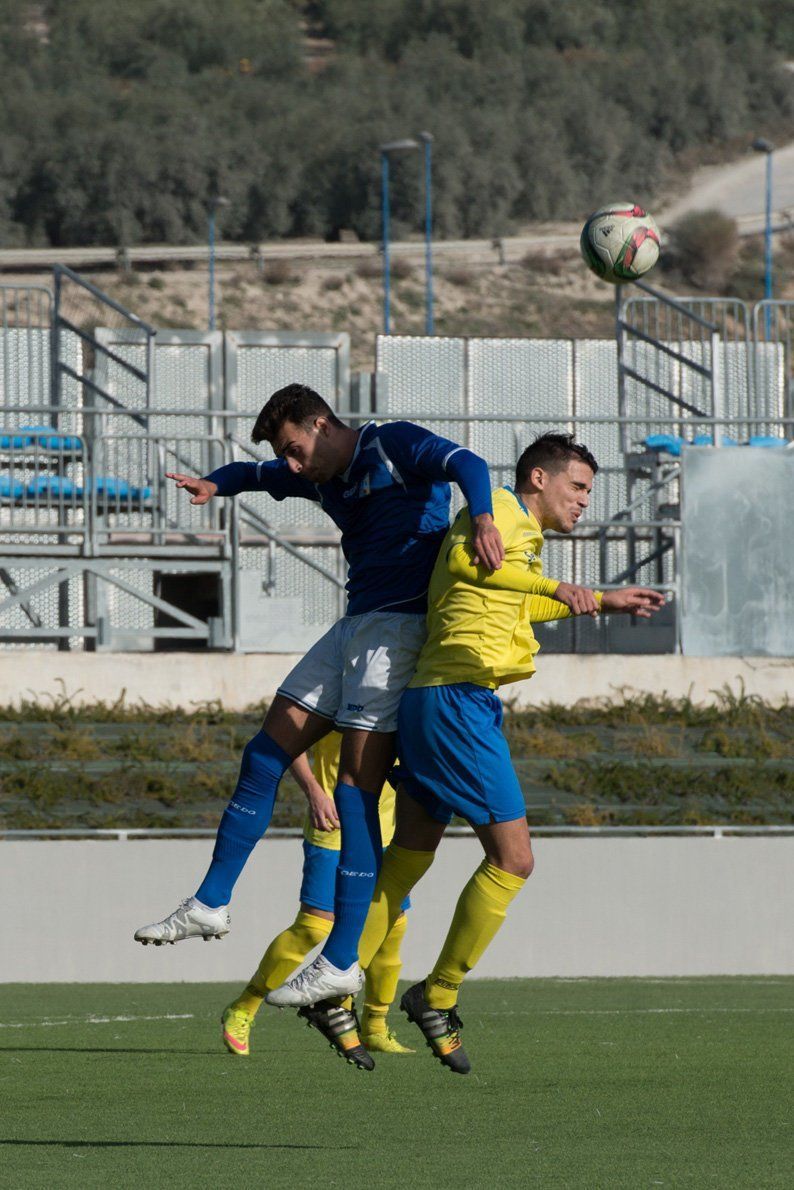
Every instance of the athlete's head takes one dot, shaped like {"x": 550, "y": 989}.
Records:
{"x": 554, "y": 476}
{"x": 303, "y": 429}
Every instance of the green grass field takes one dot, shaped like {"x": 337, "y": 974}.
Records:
{"x": 587, "y": 1083}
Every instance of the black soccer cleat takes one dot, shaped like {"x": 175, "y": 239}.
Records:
{"x": 441, "y": 1028}
{"x": 340, "y": 1027}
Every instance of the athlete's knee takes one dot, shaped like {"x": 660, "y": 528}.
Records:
{"x": 518, "y": 861}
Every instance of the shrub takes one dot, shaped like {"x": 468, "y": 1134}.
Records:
{"x": 401, "y": 269}
{"x": 279, "y": 272}
{"x": 704, "y": 246}
{"x": 369, "y": 268}
{"x": 460, "y": 275}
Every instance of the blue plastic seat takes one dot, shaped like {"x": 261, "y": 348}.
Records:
{"x": 707, "y": 440}
{"x": 54, "y": 485}
{"x": 42, "y": 436}
{"x": 766, "y": 440}
{"x": 10, "y": 489}
{"x": 667, "y": 443}
{"x": 107, "y": 487}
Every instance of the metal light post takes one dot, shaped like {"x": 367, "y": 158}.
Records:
{"x": 394, "y": 146}
{"x": 427, "y": 140}
{"x": 214, "y": 203}
{"x": 764, "y": 146}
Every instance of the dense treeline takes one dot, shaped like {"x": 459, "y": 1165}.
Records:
{"x": 119, "y": 121}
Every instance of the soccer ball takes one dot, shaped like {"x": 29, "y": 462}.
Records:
{"x": 620, "y": 242}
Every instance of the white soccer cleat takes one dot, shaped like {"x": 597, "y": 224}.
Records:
{"x": 319, "y": 981}
{"x": 190, "y": 920}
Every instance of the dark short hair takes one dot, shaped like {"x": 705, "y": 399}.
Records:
{"x": 552, "y": 452}
{"x": 296, "y": 403}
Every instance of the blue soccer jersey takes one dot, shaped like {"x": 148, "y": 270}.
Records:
{"x": 391, "y": 505}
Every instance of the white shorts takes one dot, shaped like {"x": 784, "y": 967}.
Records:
{"x": 356, "y": 673}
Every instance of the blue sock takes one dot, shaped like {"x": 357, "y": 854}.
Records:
{"x": 359, "y": 863}
{"x": 245, "y": 819}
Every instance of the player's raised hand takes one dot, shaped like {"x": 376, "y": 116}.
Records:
{"x": 201, "y": 490}
{"x": 322, "y": 809}
{"x": 486, "y": 540}
{"x": 580, "y": 600}
{"x": 638, "y": 601}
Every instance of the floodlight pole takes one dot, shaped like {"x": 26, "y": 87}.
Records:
{"x": 427, "y": 140}
{"x": 390, "y": 147}
{"x": 214, "y": 203}
{"x": 764, "y": 146}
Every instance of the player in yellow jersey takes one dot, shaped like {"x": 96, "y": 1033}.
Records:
{"x": 454, "y": 757}
{"x": 313, "y": 923}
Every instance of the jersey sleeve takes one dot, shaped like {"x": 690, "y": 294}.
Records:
{"x": 514, "y": 574}
{"x": 272, "y": 476}
{"x": 542, "y": 609}
{"x": 412, "y": 448}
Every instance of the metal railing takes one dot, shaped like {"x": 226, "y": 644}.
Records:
{"x": 141, "y": 834}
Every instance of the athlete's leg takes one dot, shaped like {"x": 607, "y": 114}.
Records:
{"x": 411, "y": 852}
{"x": 245, "y": 820}
{"x": 364, "y": 761}
{"x": 481, "y": 907}
{"x": 287, "y": 731}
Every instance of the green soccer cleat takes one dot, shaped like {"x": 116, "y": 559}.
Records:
{"x": 441, "y": 1028}
{"x": 237, "y": 1025}
{"x": 340, "y": 1027}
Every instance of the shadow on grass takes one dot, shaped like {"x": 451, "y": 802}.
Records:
{"x": 159, "y": 1144}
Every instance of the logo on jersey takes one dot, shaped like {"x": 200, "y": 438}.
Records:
{"x": 355, "y": 706}
{"x": 359, "y": 490}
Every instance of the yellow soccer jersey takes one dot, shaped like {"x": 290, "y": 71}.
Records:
{"x": 480, "y": 623}
{"x": 325, "y": 766}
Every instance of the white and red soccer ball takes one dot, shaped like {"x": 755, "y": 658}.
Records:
{"x": 620, "y": 242}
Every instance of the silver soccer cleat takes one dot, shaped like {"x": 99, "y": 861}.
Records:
{"x": 318, "y": 981}
{"x": 190, "y": 920}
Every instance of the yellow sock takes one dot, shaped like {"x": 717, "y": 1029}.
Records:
{"x": 384, "y": 971}
{"x": 373, "y": 1020}
{"x": 401, "y": 870}
{"x": 286, "y": 952}
{"x": 479, "y": 913}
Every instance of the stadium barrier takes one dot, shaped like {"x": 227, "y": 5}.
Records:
{"x": 129, "y": 402}
{"x": 595, "y": 906}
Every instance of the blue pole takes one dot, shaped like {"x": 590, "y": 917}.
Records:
{"x": 768, "y": 240}
{"x": 212, "y": 266}
{"x": 384, "y": 160}
{"x": 428, "y": 234}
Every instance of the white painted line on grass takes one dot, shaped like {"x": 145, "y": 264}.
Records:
{"x": 94, "y": 1020}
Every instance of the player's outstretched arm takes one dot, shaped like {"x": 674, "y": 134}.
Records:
{"x": 637, "y": 601}
{"x": 201, "y": 490}
{"x": 564, "y": 599}
{"x": 322, "y": 808}
{"x": 411, "y": 447}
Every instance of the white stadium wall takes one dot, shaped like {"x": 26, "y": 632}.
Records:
{"x": 238, "y": 680}
{"x": 593, "y": 907}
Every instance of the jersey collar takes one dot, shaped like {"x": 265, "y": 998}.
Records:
{"x": 522, "y": 505}
{"x": 345, "y": 476}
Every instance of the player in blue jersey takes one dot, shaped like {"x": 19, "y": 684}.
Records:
{"x": 387, "y": 488}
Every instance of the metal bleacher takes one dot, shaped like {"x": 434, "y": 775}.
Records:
{"x": 98, "y": 550}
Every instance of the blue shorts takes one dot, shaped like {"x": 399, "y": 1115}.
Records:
{"x": 319, "y": 877}
{"x": 454, "y": 758}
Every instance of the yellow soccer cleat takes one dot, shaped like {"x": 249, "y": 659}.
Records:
{"x": 237, "y": 1025}
{"x": 384, "y": 1042}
